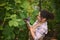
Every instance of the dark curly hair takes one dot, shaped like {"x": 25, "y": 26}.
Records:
{"x": 46, "y": 14}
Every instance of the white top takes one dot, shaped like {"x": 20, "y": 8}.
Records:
{"x": 41, "y": 30}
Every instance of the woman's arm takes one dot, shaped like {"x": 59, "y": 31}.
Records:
{"x": 33, "y": 26}
{"x": 31, "y": 29}
{"x": 32, "y": 32}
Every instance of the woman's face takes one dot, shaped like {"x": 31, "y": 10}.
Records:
{"x": 41, "y": 19}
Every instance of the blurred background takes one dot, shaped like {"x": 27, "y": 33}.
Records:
{"x": 12, "y": 13}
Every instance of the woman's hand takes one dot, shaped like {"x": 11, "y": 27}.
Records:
{"x": 32, "y": 29}
{"x": 27, "y": 20}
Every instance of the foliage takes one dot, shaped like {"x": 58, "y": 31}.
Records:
{"x": 12, "y": 13}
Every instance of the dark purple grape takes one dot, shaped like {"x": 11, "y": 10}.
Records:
{"x": 27, "y": 19}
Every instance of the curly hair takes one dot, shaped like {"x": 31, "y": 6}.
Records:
{"x": 46, "y": 14}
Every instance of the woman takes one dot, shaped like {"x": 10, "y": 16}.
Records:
{"x": 40, "y": 28}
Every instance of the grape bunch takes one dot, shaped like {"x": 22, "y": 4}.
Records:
{"x": 27, "y": 19}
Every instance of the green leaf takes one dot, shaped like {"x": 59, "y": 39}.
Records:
{"x": 25, "y": 5}
{"x": 1, "y": 28}
{"x": 31, "y": 21}
{"x": 8, "y": 7}
{"x": 13, "y": 16}
{"x": 13, "y": 23}
{"x": 2, "y": 4}
{"x": 17, "y": 1}
{"x": 21, "y": 22}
